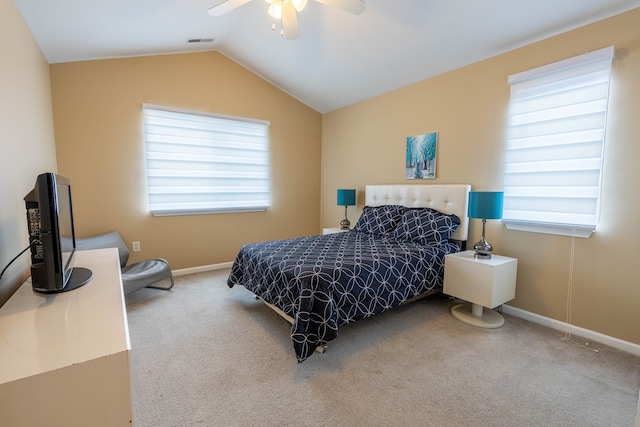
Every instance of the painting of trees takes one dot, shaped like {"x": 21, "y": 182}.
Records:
{"x": 421, "y": 156}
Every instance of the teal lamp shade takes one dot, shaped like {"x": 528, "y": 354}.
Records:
{"x": 485, "y": 205}
{"x": 346, "y": 198}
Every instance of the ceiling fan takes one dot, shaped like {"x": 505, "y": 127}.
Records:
{"x": 287, "y": 11}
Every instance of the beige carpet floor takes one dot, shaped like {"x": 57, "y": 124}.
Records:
{"x": 206, "y": 355}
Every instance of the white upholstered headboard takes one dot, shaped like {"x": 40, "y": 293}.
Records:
{"x": 449, "y": 199}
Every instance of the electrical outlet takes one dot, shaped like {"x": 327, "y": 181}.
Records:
{"x": 135, "y": 246}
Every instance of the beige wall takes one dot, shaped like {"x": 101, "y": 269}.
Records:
{"x": 364, "y": 144}
{"x": 26, "y": 137}
{"x": 100, "y": 147}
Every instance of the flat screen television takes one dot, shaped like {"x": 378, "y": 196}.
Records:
{"x": 52, "y": 236}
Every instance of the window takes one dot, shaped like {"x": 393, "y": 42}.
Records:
{"x": 203, "y": 163}
{"x": 555, "y": 145}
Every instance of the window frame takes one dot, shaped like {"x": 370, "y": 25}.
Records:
{"x": 587, "y": 197}
{"x": 198, "y": 155}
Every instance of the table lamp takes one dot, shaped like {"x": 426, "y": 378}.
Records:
{"x": 485, "y": 205}
{"x": 346, "y": 198}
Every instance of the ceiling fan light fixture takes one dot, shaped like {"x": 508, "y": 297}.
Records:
{"x": 275, "y": 8}
{"x": 299, "y": 4}
{"x": 286, "y": 12}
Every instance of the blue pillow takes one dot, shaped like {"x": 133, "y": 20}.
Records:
{"x": 426, "y": 226}
{"x": 379, "y": 220}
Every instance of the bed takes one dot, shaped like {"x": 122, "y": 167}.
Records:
{"x": 393, "y": 255}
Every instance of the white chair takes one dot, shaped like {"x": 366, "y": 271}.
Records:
{"x": 142, "y": 274}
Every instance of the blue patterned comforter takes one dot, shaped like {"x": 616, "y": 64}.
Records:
{"x": 326, "y": 281}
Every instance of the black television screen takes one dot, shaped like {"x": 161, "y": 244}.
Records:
{"x": 65, "y": 228}
{"x": 52, "y": 236}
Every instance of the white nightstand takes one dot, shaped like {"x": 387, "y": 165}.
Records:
{"x": 332, "y": 230}
{"x": 483, "y": 282}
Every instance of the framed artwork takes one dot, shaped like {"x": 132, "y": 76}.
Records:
{"x": 421, "y": 156}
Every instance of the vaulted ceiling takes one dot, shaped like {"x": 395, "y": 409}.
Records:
{"x": 339, "y": 59}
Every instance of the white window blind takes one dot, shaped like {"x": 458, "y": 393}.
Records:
{"x": 204, "y": 163}
{"x": 555, "y": 145}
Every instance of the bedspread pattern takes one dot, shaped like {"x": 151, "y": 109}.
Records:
{"x": 326, "y": 281}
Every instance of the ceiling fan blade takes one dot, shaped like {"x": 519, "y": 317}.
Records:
{"x": 290, "y": 21}
{"x": 226, "y": 6}
{"x": 353, "y": 6}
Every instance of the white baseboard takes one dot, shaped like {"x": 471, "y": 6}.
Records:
{"x": 202, "y": 269}
{"x": 566, "y": 327}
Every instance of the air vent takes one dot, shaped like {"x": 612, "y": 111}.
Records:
{"x": 199, "y": 40}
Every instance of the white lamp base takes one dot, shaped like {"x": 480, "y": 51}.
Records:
{"x": 476, "y": 315}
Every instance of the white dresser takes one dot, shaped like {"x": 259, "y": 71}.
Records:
{"x": 64, "y": 358}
